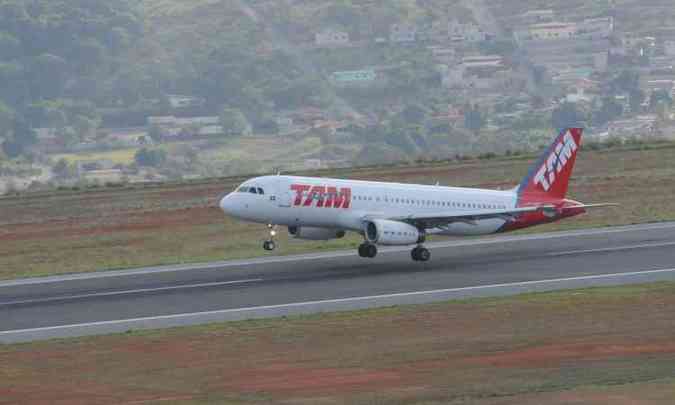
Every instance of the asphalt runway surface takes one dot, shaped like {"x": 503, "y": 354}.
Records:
{"x": 107, "y": 302}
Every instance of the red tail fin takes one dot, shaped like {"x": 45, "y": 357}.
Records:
{"x": 550, "y": 175}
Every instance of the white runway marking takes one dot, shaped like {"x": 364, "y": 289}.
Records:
{"x": 186, "y": 316}
{"x": 612, "y": 249}
{"x": 128, "y": 292}
{"x": 336, "y": 254}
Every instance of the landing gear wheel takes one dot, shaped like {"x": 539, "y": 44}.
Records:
{"x": 367, "y": 250}
{"x": 269, "y": 244}
{"x": 420, "y": 254}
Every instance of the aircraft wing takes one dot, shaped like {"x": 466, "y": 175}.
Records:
{"x": 441, "y": 219}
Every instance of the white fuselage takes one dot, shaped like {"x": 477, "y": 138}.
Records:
{"x": 346, "y": 204}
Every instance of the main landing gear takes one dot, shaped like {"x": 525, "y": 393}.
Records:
{"x": 269, "y": 244}
{"x": 367, "y": 250}
{"x": 420, "y": 254}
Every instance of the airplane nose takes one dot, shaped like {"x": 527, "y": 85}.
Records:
{"x": 226, "y": 204}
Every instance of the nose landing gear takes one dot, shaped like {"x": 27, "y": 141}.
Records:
{"x": 269, "y": 244}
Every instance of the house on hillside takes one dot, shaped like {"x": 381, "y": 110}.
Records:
{"x": 444, "y": 55}
{"x": 104, "y": 176}
{"x": 178, "y": 101}
{"x": 640, "y": 126}
{"x": 128, "y": 137}
{"x": 551, "y": 31}
{"x": 452, "y": 116}
{"x": 83, "y": 167}
{"x": 669, "y": 48}
{"x": 331, "y": 37}
{"x": 593, "y": 28}
{"x": 537, "y": 16}
{"x": 49, "y": 140}
{"x": 466, "y": 32}
{"x": 173, "y": 128}
{"x": 402, "y": 33}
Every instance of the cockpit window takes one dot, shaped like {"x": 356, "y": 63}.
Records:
{"x": 251, "y": 190}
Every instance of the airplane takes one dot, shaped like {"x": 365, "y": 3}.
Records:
{"x": 396, "y": 214}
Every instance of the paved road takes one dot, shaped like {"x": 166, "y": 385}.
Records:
{"x": 180, "y": 295}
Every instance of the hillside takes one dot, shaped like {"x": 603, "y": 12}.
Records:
{"x": 394, "y": 80}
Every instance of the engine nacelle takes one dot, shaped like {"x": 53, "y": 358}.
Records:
{"x": 385, "y": 232}
{"x": 311, "y": 233}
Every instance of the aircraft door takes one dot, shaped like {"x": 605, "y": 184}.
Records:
{"x": 284, "y": 197}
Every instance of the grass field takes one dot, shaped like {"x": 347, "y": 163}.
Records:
{"x": 595, "y": 346}
{"x": 120, "y": 156}
{"x": 65, "y": 232}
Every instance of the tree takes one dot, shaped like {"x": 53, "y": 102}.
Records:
{"x": 473, "y": 118}
{"x": 150, "y": 157}
{"x": 63, "y": 169}
{"x": 414, "y": 114}
{"x": 658, "y": 97}
{"x": 22, "y": 137}
{"x": 10, "y": 46}
{"x": 6, "y": 119}
{"x": 636, "y": 97}
{"x": 610, "y": 111}
{"x": 567, "y": 115}
{"x": 84, "y": 126}
{"x": 234, "y": 122}
{"x": 155, "y": 133}
{"x": 627, "y": 82}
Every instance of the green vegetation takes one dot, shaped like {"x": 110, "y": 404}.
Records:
{"x": 598, "y": 345}
{"x": 52, "y": 57}
{"x": 97, "y": 229}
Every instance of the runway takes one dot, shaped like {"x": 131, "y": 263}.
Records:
{"x": 86, "y": 304}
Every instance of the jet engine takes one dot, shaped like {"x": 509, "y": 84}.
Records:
{"x": 385, "y": 232}
{"x": 311, "y": 233}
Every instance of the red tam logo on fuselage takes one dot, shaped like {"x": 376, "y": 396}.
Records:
{"x": 556, "y": 162}
{"x": 321, "y": 196}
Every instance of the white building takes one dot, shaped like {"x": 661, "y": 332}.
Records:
{"x": 329, "y": 37}
{"x": 601, "y": 27}
{"x": 601, "y": 61}
{"x": 537, "y": 16}
{"x": 402, "y": 33}
{"x": 180, "y": 101}
{"x": 482, "y": 61}
{"x": 443, "y": 54}
{"x": 552, "y": 31}
{"x": 171, "y": 121}
{"x": 453, "y": 77}
{"x": 669, "y": 48}
{"x": 468, "y": 32}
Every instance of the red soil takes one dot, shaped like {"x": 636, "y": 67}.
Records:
{"x": 554, "y": 354}
{"x": 286, "y": 379}
{"x": 120, "y": 222}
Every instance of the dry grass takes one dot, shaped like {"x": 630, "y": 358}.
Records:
{"x": 598, "y": 346}
{"x": 74, "y": 232}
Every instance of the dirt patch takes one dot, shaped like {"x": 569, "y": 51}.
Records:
{"x": 485, "y": 352}
{"x": 554, "y": 354}
{"x": 288, "y": 379}
{"x": 105, "y": 225}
